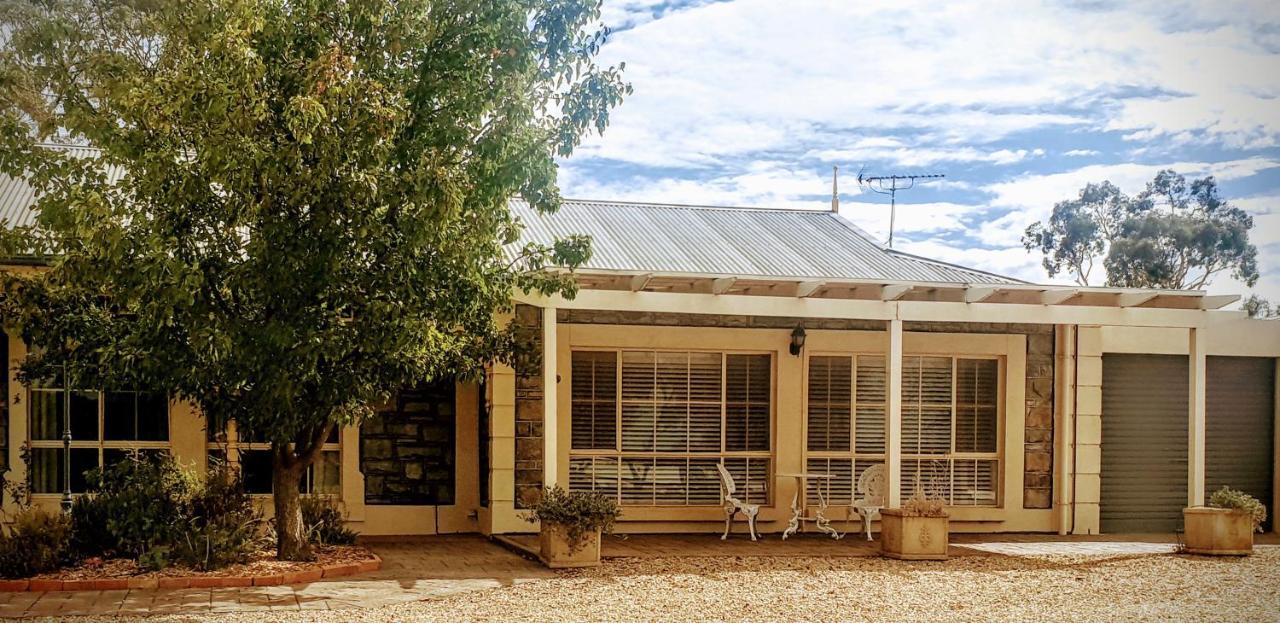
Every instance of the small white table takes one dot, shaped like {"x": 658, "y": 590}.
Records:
{"x": 800, "y": 502}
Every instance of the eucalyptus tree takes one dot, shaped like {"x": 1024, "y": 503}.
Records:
{"x": 292, "y": 207}
{"x": 1174, "y": 235}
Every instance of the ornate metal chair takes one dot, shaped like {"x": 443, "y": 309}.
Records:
{"x": 872, "y": 487}
{"x": 733, "y": 506}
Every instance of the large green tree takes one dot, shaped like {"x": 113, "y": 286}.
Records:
{"x": 1173, "y": 235}
{"x": 295, "y": 207}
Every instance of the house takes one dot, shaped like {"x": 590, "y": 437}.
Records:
{"x": 772, "y": 342}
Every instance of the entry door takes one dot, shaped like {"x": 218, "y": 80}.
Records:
{"x": 1240, "y": 425}
{"x": 1144, "y": 443}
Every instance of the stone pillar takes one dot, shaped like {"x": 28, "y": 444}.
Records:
{"x": 529, "y": 408}
{"x": 1037, "y": 480}
{"x": 1088, "y": 430}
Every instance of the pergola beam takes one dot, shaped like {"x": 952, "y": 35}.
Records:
{"x": 640, "y": 282}
{"x": 1055, "y": 297}
{"x": 722, "y": 285}
{"x": 804, "y": 289}
{"x": 1218, "y": 301}
{"x": 978, "y": 295}
{"x": 893, "y": 292}
{"x": 1134, "y": 299}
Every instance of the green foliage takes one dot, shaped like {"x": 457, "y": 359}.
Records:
{"x": 222, "y": 527}
{"x": 1173, "y": 235}
{"x": 314, "y": 206}
{"x": 1239, "y": 500}
{"x": 149, "y": 509}
{"x": 1258, "y": 307}
{"x": 579, "y": 512}
{"x": 144, "y": 501}
{"x": 324, "y": 522}
{"x": 38, "y": 541}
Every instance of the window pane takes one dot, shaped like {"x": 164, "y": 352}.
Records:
{"x": 672, "y": 376}
{"x": 119, "y": 419}
{"x": 872, "y": 380}
{"x": 704, "y": 427}
{"x": 597, "y": 474}
{"x": 839, "y": 489}
{"x": 672, "y": 431}
{"x": 46, "y": 470}
{"x": 255, "y": 467}
{"x": 46, "y": 414}
{"x": 705, "y": 377}
{"x": 671, "y": 480}
{"x": 870, "y": 429}
{"x": 153, "y": 417}
{"x": 974, "y": 482}
{"x": 84, "y": 415}
{"x": 325, "y": 475}
{"x": 751, "y": 477}
{"x": 830, "y": 386}
{"x": 638, "y": 376}
{"x": 928, "y": 477}
{"x": 637, "y": 481}
{"x": 704, "y": 482}
{"x": 637, "y": 427}
{"x": 593, "y": 413}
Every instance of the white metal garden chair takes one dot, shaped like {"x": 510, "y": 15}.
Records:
{"x": 733, "y": 506}
{"x": 873, "y": 488}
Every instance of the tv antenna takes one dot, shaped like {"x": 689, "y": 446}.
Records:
{"x": 890, "y": 185}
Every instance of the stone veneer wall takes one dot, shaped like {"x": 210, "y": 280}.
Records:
{"x": 407, "y": 451}
{"x": 528, "y": 368}
{"x": 1038, "y": 437}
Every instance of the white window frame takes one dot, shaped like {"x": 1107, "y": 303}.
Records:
{"x": 619, "y": 454}
{"x": 100, "y": 444}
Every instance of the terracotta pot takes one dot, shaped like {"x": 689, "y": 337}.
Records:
{"x": 913, "y": 538}
{"x": 558, "y": 553}
{"x": 1217, "y": 531}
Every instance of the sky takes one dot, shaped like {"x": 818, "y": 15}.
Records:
{"x": 1019, "y": 104}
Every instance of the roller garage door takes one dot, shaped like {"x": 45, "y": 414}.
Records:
{"x": 1144, "y": 443}
{"x": 1239, "y": 426}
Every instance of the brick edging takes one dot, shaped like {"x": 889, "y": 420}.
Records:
{"x": 108, "y": 584}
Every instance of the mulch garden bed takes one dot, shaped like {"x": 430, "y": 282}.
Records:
{"x": 96, "y": 574}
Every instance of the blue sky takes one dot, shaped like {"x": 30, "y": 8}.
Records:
{"x": 751, "y": 102}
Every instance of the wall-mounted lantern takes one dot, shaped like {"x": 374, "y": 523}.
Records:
{"x": 797, "y": 340}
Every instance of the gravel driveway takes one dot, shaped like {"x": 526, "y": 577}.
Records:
{"x": 978, "y": 588}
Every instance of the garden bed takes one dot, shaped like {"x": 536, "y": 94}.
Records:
{"x": 262, "y": 570}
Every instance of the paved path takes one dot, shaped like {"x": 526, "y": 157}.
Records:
{"x": 413, "y": 569}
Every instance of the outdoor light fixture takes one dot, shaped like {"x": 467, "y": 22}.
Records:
{"x": 797, "y": 340}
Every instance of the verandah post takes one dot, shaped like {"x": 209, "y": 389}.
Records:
{"x": 893, "y": 428}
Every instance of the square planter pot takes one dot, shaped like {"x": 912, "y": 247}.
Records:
{"x": 1217, "y": 531}
{"x": 913, "y": 538}
{"x": 557, "y": 553}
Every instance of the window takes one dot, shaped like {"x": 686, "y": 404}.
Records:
{"x": 105, "y": 427}
{"x": 950, "y": 432}
{"x": 845, "y": 431}
{"x": 251, "y": 452}
{"x": 649, "y": 427}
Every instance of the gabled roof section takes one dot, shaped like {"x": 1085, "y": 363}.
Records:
{"x": 735, "y": 242}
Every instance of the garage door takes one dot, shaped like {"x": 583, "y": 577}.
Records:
{"x": 1144, "y": 443}
{"x": 1239, "y": 425}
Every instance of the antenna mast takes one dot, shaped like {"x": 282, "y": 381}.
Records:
{"x": 890, "y": 185}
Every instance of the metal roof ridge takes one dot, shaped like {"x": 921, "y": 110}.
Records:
{"x": 691, "y": 206}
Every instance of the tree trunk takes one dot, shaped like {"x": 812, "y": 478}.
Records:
{"x": 291, "y": 537}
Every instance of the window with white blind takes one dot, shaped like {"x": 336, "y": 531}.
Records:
{"x": 649, "y": 427}
{"x": 950, "y": 415}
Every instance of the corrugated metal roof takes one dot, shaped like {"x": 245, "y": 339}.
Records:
{"x": 16, "y": 196}
{"x": 698, "y": 240}
{"x": 740, "y": 242}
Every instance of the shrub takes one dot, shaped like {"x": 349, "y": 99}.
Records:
{"x": 224, "y": 527}
{"x": 578, "y": 512}
{"x": 324, "y": 523}
{"x": 142, "y": 499}
{"x": 1239, "y": 500}
{"x": 37, "y": 542}
{"x": 90, "y": 535}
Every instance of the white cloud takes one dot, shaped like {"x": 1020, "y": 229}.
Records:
{"x": 724, "y": 79}
{"x": 924, "y": 156}
{"x": 1080, "y": 152}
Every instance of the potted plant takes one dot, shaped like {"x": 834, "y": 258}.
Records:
{"x": 571, "y": 523}
{"x": 1225, "y": 527}
{"x": 917, "y": 531}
